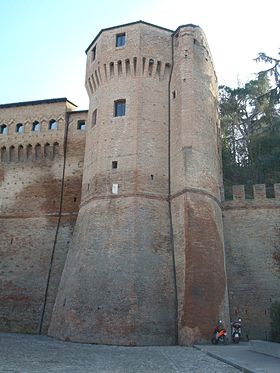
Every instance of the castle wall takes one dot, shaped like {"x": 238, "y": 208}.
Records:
{"x": 31, "y": 225}
{"x": 195, "y": 189}
{"x": 118, "y": 283}
{"x": 252, "y": 241}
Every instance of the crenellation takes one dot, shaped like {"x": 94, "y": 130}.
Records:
{"x": 117, "y": 209}
{"x": 261, "y": 192}
{"x": 238, "y": 192}
{"x": 277, "y": 190}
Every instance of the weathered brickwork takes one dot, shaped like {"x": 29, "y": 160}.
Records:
{"x": 195, "y": 188}
{"x": 118, "y": 234}
{"x": 252, "y": 237}
{"x": 34, "y": 223}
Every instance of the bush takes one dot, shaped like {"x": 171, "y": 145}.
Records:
{"x": 275, "y": 321}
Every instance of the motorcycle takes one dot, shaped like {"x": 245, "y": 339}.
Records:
{"x": 219, "y": 334}
{"x": 236, "y": 331}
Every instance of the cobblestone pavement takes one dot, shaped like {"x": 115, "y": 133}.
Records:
{"x": 20, "y": 353}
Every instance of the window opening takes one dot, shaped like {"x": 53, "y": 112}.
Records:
{"x": 94, "y": 117}
{"x": 36, "y": 126}
{"x": 114, "y": 164}
{"x": 19, "y": 128}
{"x": 3, "y": 129}
{"x": 93, "y": 53}
{"x": 120, "y": 40}
{"x": 119, "y": 109}
{"x": 81, "y": 125}
{"x": 52, "y": 124}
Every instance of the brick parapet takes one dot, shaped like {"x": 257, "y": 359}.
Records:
{"x": 261, "y": 197}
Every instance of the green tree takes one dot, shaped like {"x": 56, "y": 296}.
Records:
{"x": 250, "y": 124}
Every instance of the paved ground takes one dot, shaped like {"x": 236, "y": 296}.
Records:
{"x": 241, "y": 356}
{"x": 21, "y": 353}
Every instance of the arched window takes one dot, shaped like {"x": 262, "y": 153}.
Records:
{"x": 20, "y": 153}
{"x": 52, "y": 124}
{"x": 12, "y": 153}
{"x": 47, "y": 151}
{"x": 3, "y": 129}
{"x": 29, "y": 152}
{"x": 36, "y": 126}
{"x": 38, "y": 152}
{"x": 19, "y": 128}
{"x": 55, "y": 149}
{"x": 3, "y": 154}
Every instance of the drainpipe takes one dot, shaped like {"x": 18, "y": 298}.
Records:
{"x": 57, "y": 226}
{"x": 169, "y": 196}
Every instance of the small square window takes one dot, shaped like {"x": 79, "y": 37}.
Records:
{"x": 81, "y": 125}
{"x": 120, "y": 40}
{"x": 93, "y": 53}
{"x": 94, "y": 117}
{"x": 119, "y": 108}
{"x": 114, "y": 164}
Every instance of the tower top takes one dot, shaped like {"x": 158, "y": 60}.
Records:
{"x": 124, "y": 25}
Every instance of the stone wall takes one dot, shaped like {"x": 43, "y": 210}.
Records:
{"x": 252, "y": 240}
{"x": 34, "y": 224}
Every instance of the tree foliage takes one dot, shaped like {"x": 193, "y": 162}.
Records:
{"x": 250, "y": 124}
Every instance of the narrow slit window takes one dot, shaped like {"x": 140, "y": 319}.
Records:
{"x": 120, "y": 40}
{"x": 94, "y": 117}
{"x": 114, "y": 165}
{"x": 93, "y": 53}
{"x": 119, "y": 109}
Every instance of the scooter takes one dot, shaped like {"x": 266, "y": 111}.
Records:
{"x": 219, "y": 334}
{"x": 236, "y": 331}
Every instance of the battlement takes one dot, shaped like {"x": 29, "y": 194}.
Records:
{"x": 257, "y": 195}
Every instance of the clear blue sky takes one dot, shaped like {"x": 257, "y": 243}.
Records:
{"x": 43, "y": 41}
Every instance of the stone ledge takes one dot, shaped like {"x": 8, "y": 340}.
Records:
{"x": 267, "y": 348}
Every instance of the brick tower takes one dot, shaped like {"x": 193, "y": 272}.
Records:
{"x": 195, "y": 164}
{"x": 118, "y": 282}
{"x": 147, "y": 257}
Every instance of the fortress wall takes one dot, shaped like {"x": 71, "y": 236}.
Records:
{"x": 252, "y": 243}
{"x": 195, "y": 188}
{"x": 30, "y": 184}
